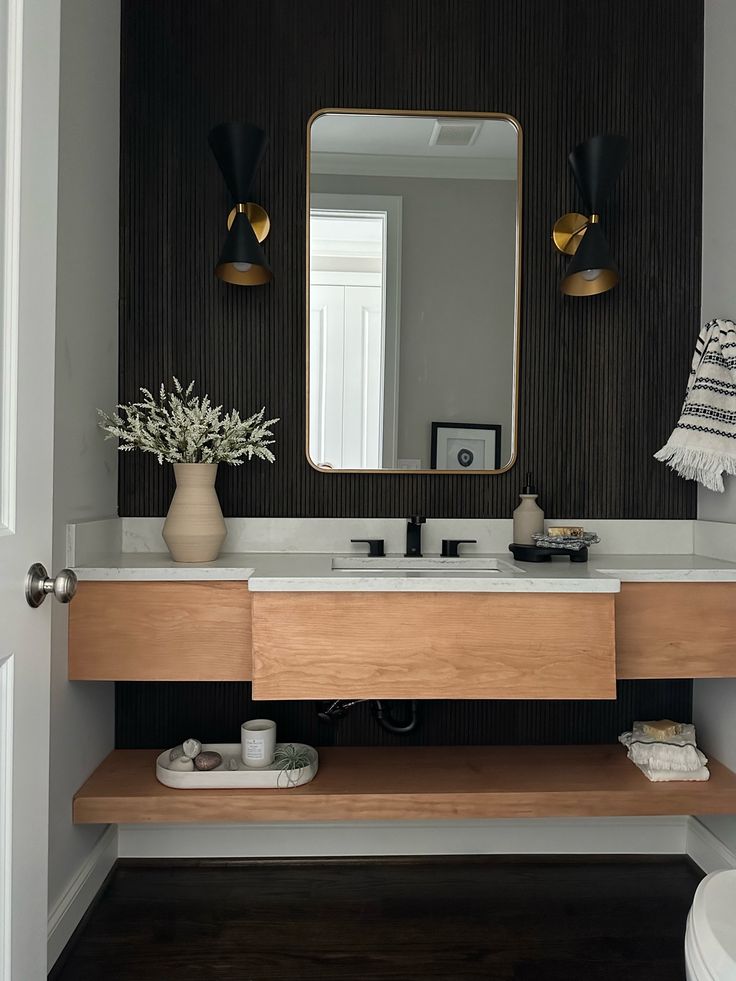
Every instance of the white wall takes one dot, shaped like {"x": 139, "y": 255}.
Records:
{"x": 714, "y": 707}
{"x": 719, "y": 199}
{"x": 714, "y": 712}
{"x": 85, "y": 477}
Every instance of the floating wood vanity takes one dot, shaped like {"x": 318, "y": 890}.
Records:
{"x": 676, "y": 630}
{"x": 160, "y": 631}
{"x": 433, "y": 645}
{"x": 376, "y": 644}
{"x": 296, "y": 634}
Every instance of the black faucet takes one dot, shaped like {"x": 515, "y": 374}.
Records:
{"x": 414, "y": 536}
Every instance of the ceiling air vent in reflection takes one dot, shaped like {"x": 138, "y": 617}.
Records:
{"x": 455, "y": 132}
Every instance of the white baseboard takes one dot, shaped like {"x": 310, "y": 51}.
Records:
{"x": 72, "y": 905}
{"x": 574, "y": 836}
{"x": 705, "y": 849}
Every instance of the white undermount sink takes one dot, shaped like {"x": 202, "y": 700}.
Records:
{"x": 399, "y": 564}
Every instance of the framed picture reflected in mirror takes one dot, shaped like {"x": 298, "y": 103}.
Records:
{"x": 466, "y": 446}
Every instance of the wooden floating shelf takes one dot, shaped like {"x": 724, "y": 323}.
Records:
{"x": 410, "y": 783}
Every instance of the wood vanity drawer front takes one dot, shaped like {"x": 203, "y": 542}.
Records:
{"x": 160, "y": 631}
{"x": 676, "y": 630}
{"x": 433, "y": 645}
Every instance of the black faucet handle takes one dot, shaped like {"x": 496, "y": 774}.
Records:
{"x": 375, "y": 546}
{"x": 416, "y": 519}
{"x": 450, "y": 546}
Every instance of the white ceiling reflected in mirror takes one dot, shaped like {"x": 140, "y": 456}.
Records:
{"x": 414, "y": 244}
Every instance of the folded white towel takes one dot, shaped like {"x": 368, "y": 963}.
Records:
{"x": 674, "y": 753}
{"x": 660, "y": 776}
{"x": 703, "y": 444}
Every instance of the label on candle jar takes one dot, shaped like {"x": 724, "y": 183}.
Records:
{"x": 255, "y": 748}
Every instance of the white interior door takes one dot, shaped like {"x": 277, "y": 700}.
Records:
{"x": 346, "y": 375}
{"x": 362, "y": 443}
{"x": 29, "y": 107}
{"x": 326, "y": 393}
{"x": 355, "y": 240}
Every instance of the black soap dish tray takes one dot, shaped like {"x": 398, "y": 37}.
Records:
{"x": 575, "y": 547}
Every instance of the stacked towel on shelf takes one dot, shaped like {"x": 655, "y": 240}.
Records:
{"x": 661, "y": 776}
{"x": 665, "y": 752}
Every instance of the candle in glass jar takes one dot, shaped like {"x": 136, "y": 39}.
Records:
{"x": 258, "y": 742}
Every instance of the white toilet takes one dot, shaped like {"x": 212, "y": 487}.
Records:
{"x": 710, "y": 938}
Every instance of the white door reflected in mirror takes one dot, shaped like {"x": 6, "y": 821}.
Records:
{"x": 413, "y": 291}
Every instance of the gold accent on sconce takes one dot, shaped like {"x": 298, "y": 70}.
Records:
{"x": 256, "y": 215}
{"x": 593, "y": 271}
{"x": 568, "y": 232}
{"x": 579, "y": 284}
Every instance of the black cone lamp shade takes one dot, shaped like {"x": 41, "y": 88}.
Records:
{"x": 591, "y": 270}
{"x": 238, "y": 149}
{"x": 596, "y": 165}
{"x": 242, "y": 261}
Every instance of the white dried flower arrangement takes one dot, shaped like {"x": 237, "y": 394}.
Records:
{"x": 183, "y": 428}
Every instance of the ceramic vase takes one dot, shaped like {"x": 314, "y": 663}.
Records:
{"x": 194, "y": 530}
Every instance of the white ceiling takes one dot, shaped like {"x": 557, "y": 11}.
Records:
{"x": 407, "y": 136}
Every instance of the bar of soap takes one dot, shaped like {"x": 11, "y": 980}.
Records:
{"x": 662, "y": 729}
{"x": 567, "y": 531}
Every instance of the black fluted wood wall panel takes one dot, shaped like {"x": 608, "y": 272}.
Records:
{"x": 153, "y": 714}
{"x": 601, "y": 378}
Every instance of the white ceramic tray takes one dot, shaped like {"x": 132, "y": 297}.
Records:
{"x": 244, "y": 776}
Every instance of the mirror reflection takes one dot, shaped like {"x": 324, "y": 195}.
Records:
{"x": 413, "y": 291}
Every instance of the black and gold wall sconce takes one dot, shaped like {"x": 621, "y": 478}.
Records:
{"x": 596, "y": 165}
{"x": 238, "y": 149}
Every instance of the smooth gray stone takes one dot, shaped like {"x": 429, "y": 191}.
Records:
{"x": 192, "y": 747}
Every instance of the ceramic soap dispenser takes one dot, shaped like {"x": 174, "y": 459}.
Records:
{"x": 528, "y": 517}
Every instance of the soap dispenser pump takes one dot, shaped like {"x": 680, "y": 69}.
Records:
{"x": 528, "y": 516}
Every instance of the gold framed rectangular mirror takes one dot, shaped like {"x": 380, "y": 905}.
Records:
{"x": 413, "y": 291}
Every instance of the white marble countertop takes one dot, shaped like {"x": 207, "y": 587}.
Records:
{"x": 314, "y": 572}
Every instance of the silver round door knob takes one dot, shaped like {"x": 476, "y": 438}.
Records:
{"x": 39, "y": 584}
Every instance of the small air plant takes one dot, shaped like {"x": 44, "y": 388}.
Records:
{"x": 289, "y": 760}
{"x": 180, "y": 427}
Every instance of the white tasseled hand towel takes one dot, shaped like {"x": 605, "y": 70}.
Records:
{"x": 703, "y": 444}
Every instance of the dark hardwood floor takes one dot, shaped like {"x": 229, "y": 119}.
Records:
{"x": 394, "y": 920}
